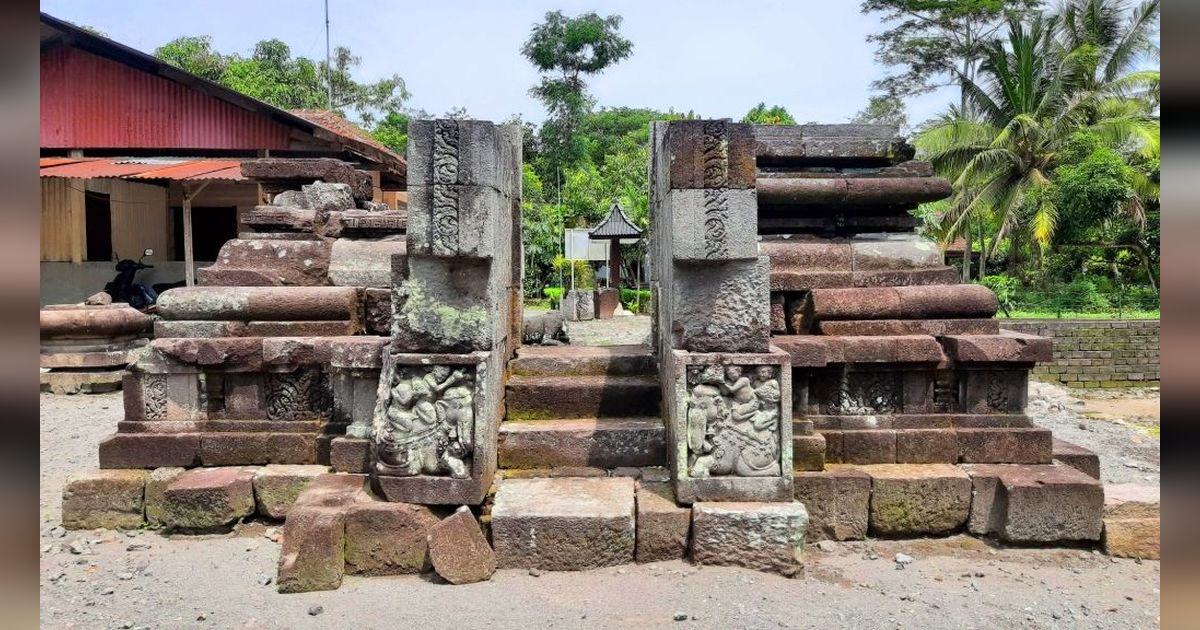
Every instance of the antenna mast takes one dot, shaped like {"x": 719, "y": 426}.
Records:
{"x": 328, "y": 65}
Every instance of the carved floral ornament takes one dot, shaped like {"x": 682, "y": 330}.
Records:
{"x": 427, "y": 424}
{"x": 733, "y": 415}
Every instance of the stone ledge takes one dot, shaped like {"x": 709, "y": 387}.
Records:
{"x": 1035, "y": 504}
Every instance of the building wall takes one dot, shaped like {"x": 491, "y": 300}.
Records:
{"x": 1097, "y": 353}
{"x": 62, "y": 219}
{"x": 139, "y": 217}
{"x": 218, "y": 194}
{"x": 71, "y": 283}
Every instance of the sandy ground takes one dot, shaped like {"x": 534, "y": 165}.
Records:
{"x": 145, "y": 580}
{"x": 618, "y": 331}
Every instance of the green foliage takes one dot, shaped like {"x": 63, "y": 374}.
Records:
{"x": 883, "y": 109}
{"x": 1091, "y": 191}
{"x": 271, "y": 74}
{"x": 762, "y": 115}
{"x": 554, "y": 294}
{"x": 634, "y": 300}
{"x": 1006, "y": 289}
{"x": 565, "y": 50}
{"x": 392, "y": 131}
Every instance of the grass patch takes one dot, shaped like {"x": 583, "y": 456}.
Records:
{"x": 1052, "y": 314}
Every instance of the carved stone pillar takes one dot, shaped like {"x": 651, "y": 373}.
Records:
{"x": 441, "y": 390}
{"x": 726, "y": 393}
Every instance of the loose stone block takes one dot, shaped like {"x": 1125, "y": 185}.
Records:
{"x": 564, "y": 524}
{"x": 266, "y": 262}
{"x": 298, "y": 170}
{"x": 207, "y": 499}
{"x": 277, "y": 486}
{"x": 385, "y": 538}
{"x": 156, "y": 488}
{"x": 459, "y": 552}
{"x": 312, "y": 550}
{"x": 662, "y": 525}
{"x": 1035, "y": 504}
{"x": 760, "y": 536}
{"x": 838, "y": 502}
{"x": 1014, "y": 445}
{"x": 918, "y": 499}
{"x": 108, "y": 499}
{"x": 364, "y": 263}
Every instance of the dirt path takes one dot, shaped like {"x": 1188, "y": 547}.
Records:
{"x": 146, "y": 580}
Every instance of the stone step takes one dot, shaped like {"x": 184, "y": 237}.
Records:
{"x": 565, "y": 524}
{"x": 583, "y": 360}
{"x": 554, "y": 397}
{"x": 587, "y": 442}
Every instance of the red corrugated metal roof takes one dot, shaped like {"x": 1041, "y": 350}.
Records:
{"x": 180, "y": 169}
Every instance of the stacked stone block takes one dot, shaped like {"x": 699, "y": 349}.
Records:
{"x": 1097, "y": 353}
{"x": 441, "y": 392}
{"x": 86, "y": 348}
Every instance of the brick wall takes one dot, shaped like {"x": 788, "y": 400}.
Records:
{"x": 1096, "y": 353}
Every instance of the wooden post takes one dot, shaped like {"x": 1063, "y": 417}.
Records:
{"x": 189, "y": 260}
{"x": 614, "y": 263}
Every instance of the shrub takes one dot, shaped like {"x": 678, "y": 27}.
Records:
{"x": 633, "y": 300}
{"x": 555, "y": 294}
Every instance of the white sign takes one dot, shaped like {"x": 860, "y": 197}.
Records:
{"x": 577, "y": 245}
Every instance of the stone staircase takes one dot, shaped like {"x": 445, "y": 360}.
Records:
{"x": 571, "y": 407}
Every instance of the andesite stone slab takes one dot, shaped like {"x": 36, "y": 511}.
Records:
{"x": 918, "y": 499}
{"x": 663, "y": 525}
{"x": 564, "y": 524}
{"x": 458, "y": 550}
{"x": 760, "y": 536}
{"x": 385, "y": 538}
{"x": 1036, "y": 503}
{"x": 108, "y": 499}
{"x": 208, "y": 499}
{"x": 838, "y": 501}
{"x": 276, "y": 486}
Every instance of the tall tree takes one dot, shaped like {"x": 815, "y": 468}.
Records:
{"x": 936, "y": 43}
{"x": 566, "y": 51}
{"x": 883, "y": 109}
{"x": 271, "y": 74}
{"x": 762, "y": 115}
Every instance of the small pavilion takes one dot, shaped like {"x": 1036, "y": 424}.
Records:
{"x": 615, "y": 227}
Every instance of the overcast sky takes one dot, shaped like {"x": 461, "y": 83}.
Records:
{"x": 716, "y": 58}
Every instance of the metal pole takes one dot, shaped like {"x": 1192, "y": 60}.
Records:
{"x": 328, "y": 63}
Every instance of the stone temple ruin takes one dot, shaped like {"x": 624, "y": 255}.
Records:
{"x": 815, "y": 373}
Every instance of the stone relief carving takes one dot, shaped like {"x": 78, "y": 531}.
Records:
{"x": 445, "y": 198}
{"x": 716, "y": 214}
{"x": 298, "y": 395}
{"x": 154, "y": 397}
{"x": 426, "y": 425}
{"x": 733, "y": 421}
{"x": 865, "y": 393}
{"x": 715, "y": 145}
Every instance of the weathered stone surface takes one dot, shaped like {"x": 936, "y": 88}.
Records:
{"x": 1035, "y": 504}
{"x": 579, "y": 305}
{"x": 351, "y": 455}
{"x": 459, "y": 552}
{"x": 662, "y": 525}
{"x": 365, "y": 223}
{"x": 870, "y": 446}
{"x": 545, "y": 326}
{"x": 385, "y": 538}
{"x": 549, "y": 397}
{"x": 198, "y": 328}
{"x": 817, "y": 141}
{"x": 808, "y": 452}
{"x": 606, "y": 301}
{"x": 89, "y": 382}
{"x": 304, "y": 329}
{"x": 926, "y": 446}
{"x": 281, "y": 218}
{"x": 149, "y": 450}
{"x": 603, "y": 443}
{"x": 851, "y": 191}
{"x": 1076, "y": 457}
{"x": 156, "y": 488}
{"x": 68, "y": 360}
{"x": 276, "y": 486}
{"x": 377, "y": 311}
{"x": 206, "y": 499}
{"x": 1007, "y": 346}
{"x": 296, "y": 170}
{"x": 583, "y": 361}
{"x": 564, "y": 524}
{"x": 761, "y": 536}
{"x": 1005, "y": 445}
{"x": 228, "y": 448}
{"x": 838, "y": 502}
{"x": 918, "y": 499}
{"x": 935, "y": 327}
{"x": 74, "y": 321}
{"x": 264, "y": 262}
{"x": 312, "y": 551}
{"x": 325, "y": 197}
{"x": 364, "y": 263}
{"x": 722, "y": 309}
{"x": 108, "y": 499}
{"x": 261, "y": 303}
{"x": 692, "y": 213}
{"x": 1132, "y": 526}
{"x": 920, "y": 302}
{"x": 710, "y": 154}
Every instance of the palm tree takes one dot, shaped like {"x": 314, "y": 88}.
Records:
{"x": 1027, "y": 100}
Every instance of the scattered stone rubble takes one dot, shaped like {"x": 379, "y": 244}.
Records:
{"x": 815, "y": 375}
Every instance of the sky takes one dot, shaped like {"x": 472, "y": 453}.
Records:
{"x": 718, "y": 59}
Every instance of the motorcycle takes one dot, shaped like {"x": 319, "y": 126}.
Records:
{"x": 123, "y": 288}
